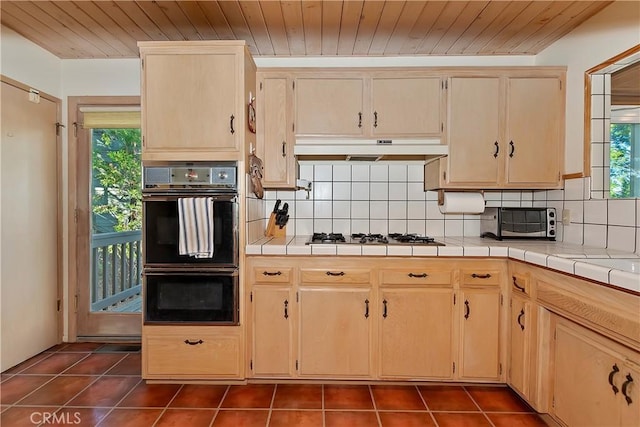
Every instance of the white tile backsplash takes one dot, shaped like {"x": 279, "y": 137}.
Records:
{"x": 621, "y": 212}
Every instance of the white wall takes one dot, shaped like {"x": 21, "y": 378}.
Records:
{"x": 607, "y": 34}
{"x": 30, "y": 64}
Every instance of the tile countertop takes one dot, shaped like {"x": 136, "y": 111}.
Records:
{"x": 615, "y": 268}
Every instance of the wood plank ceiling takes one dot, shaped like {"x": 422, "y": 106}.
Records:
{"x": 110, "y": 29}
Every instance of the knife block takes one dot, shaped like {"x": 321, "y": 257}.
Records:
{"x": 274, "y": 230}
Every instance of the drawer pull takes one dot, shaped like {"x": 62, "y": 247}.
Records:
{"x": 515, "y": 283}
{"x": 331, "y": 273}
{"x": 624, "y": 389}
{"x": 495, "y": 155}
{"x": 421, "y": 275}
{"x": 366, "y": 309}
{"x": 193, "y": 342}
{"x": 286, "y": 309}
{"x": 520, "y": 317}
{"x": 384, "y": 312}
{"x": 481, "y": 276}
{"x": 269, "y": 273}
{"x": 614, "y": 371}
{"x": 467, "y": 310}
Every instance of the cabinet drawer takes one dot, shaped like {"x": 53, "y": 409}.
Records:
{"x": 415, "y": 276}
{"x": 520, "y": 284}
{"x": 335, "y": 275}
{"x": 480, "y": 277}
{"x": 192, "y": 356}
{"x": 271, "y": 275}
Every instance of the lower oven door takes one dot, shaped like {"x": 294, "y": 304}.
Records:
{"x": 202, "y": 297}
{"x": 161, "y": 232}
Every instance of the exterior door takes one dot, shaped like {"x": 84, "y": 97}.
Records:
{"x": 30, "y": 244}
{"x": 107, "y": 219}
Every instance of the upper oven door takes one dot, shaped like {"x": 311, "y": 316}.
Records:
{"x": 161, "y": 232}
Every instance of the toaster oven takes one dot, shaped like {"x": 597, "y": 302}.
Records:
{"x": 518, "y": 223}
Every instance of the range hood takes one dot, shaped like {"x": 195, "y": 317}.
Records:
{"x": 369, "y": 149}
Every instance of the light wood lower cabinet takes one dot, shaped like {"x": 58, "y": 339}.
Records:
{"x": 595, "y": 379}
{"x": 480, "y": 334}
{"x": 192, "y": 352}
{"x": 416, "y": 327}
{"x": 335, "y": 332}
{"x": 519, "y": 344}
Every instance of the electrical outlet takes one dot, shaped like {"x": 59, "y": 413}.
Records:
{"x": 566, "y": 216}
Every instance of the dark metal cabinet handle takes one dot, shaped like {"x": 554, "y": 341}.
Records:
{"x": 331, "y": 273}
{"x": 193, "y": 342}
{"x": 269, "y": 273}
{"x": 614, "y": 371}
{"x": 366, "y": 309}
{"x": 519, "y": 318}
{"x": 286, "y": 309}
{"x": 513, "y": 148}
{"x": 360, "y": 119}
{"x": 284, "y": 149}
{"x": 497, "y": 149}
{"x": 624, "y": 389}
{"x": 375, "y": 119}
{"x": 231, "y": 124}
{"x": 515, "y": 283}
{"x": 467, "y": 310}
{"x": 480, "y": 276}
{"x": 421, "y": 275}
{"x": 384, "y": 312}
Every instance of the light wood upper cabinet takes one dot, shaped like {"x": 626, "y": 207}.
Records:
{"x": 535, "y": 107}
{"x": 368, "y": 104}
{"x": 416, "y": 326}
{"x": 405, "y": 106}
{"x": 595, "y": 380}
{"x": 474, "y": 131}
{"x": 193, "y": 99}
{"x": 335, "y": 332}
{"x": 329, "y": 106}
{"x": 504, "y": 130}
{"x": 275, "y": 137}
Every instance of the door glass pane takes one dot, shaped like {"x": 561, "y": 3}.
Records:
{"x": 116, "y": 218}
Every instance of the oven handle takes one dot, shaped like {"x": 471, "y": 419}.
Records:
{"x": 172, "y": 197}
{"x": 179, "y": 271}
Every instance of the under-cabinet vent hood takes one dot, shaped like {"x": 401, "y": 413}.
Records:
{"x": 369, "y": 149}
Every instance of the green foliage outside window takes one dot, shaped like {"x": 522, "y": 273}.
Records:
{"x": 117, "y": 180}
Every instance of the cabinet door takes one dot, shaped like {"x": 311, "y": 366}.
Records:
{"x": 480, "y": 330}
{"x": 415, "y": 333}
{"x": 405, "y": 106}
{"x": 329, "y": 106}
{"x": 582, "y": 394}
{"x": 520, "y": 344}
{"x": 533, "y": 142}
{"x": 335, "y": 332}
{"x": 275, "y": 132}
{"x": 474, "y": 131}
{"x": 272, "y": 331}
{"x": 190, "y": 102}
{"x": 630, "y": 411}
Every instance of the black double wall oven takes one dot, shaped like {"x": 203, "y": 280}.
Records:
{"x": 190, "y": 241}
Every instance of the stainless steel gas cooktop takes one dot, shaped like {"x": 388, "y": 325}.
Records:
{"x": 372, "y": 239}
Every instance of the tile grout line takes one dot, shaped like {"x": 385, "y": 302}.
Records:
{"x": 116, "y": 403}
{"x": 424, "y": 401}
{"x": 375, "y": 407}
{"x": 273, "y": 399}
{"x": 224, "y": 396}
{"x": 167, "y": 405}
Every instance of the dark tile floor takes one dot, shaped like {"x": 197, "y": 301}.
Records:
{"x": 89, "y": 384}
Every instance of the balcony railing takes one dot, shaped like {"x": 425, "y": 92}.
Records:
{"x": 116, "y": 274}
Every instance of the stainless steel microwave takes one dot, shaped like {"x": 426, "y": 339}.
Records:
{"x": 518, "y": 223}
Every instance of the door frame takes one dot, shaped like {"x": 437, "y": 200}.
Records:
{"x": 60, "y": 201}
{"x": 74, "y": 267}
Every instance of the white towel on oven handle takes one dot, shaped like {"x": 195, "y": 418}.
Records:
{"x": 195, "y": 220}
